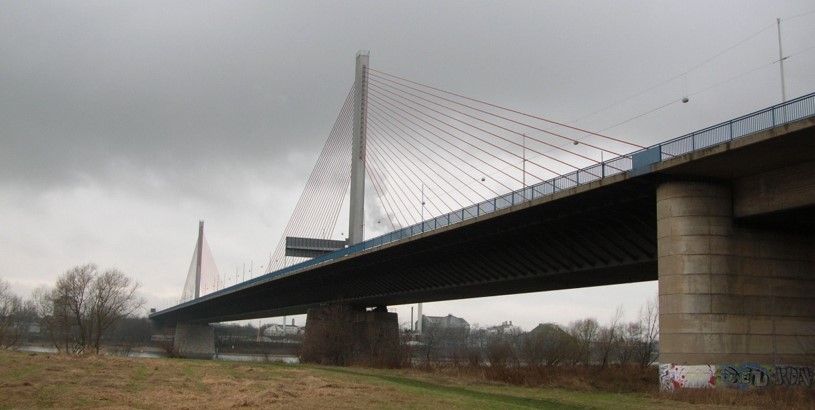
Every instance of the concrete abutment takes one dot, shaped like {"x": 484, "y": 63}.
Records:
{"x": 736, "y": 302}
{"x": 195, "y": 341}
{"x": 341, "y": 334}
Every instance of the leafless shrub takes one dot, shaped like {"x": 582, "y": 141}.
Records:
{"x": 585, "y": 334}
{"x": 84, "y": 305}
{"x": 15, "y": 316}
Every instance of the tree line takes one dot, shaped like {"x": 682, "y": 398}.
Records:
{"x": 584, "y": 342}
{"x": 77, "y": 314}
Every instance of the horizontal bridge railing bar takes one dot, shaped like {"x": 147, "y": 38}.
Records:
{"x": 761, "y": 120}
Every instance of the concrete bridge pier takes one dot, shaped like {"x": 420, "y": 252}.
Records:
{"x": 736, "y": 299}
{"x": 195, "y": 341}
{"x": 342, "y": 334}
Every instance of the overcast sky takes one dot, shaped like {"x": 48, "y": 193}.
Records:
{"x": 124, "y": 123}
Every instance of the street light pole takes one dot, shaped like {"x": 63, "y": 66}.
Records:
{"x": 524, "y": 164}
{"x": 781, "y": 59}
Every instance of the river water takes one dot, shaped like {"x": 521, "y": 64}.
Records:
{"x": 157, "y": 354}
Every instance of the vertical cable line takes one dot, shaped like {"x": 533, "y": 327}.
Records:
{"x": 402, "y": 177}
{"x": 442, "y": 147}
{"x": 413, "y": 199}
{"x": 592, "y": 160}
{"x": 324, "y": 164}
{"x": 344, "y": 181}
{"x": 329, "y": 164}
{"x": 394, "y": 113}
{"x": 394, "y": 139}
{"x": 386, "y": 147}
{"x": 375, "y": 72}
{"x": 478, "y": 194}
{"x": 383, "y": 200}
{"x": 385, "y": 158}
{"x": 339, "y": 160}
{"x": 302, "y": 209}
{"x": 401, "y": 160}
{"x": 396, "y": 188}
{"x": 392, "y": 198}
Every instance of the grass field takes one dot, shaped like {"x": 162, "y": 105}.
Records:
{"x": 41, "y": 380}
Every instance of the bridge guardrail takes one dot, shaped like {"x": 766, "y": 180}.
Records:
{"x": 779, "y": 114}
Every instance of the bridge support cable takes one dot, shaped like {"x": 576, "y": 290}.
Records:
{"x": 390, "y": 142}
{"x": 512, "y": 142}
{"x": 202, "y": 276}
{"x": 324, "y": 194}
{"x": 394, "y": 185}
{"x": 323, "y": 173}
{"x": 317, "y": 210}
{"x": 423, "y": 185}
{"x": 398, "y": 155}
{"x": 385, "y": 158}
{"x": 387, "y": 206}
{"x": 478, "y": 171}
{"x": 393, "y": 117}
{"x": 395, "y": 79}
{"x": 382, "y": 83}
{"x": 393, "y": 112}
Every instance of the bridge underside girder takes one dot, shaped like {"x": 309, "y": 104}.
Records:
{"x": 608, "y": 236}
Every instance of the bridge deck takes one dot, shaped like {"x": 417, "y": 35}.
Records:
{"x": 595, "y": 226}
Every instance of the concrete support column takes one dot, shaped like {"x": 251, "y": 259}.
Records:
{"x": 342, "y": 335}
{"x": 196, "y": 341}
{"x": 736, "y": 303}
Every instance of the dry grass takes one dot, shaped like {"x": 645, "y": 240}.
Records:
{"x": 29, "y": 380}
{"x": 772, "y": 398}
{"x": 633, "y": 379}
{"x": 41, "y": 380}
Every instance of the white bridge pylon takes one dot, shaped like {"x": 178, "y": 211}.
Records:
{"x": 202, "y": 276}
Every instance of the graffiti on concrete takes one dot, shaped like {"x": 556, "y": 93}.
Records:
{"x": 740, "y": 375}
{"x": 748, "y": 375}
{"x": 677, "y": 376}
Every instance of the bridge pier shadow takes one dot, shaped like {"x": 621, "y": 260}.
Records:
{"x": 342, "y": 334}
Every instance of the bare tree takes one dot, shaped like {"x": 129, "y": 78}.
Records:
{"x": 11, "y": 307}
{"x": 84, "y": 305}
{"x": 585, "y": 333}
{"x": 649, "y": 324}
{"x": 547, "y": 345}
{"x": 607, "y": 337}
{"x": 112, "y": 298}
{"x": 72, "y": 295}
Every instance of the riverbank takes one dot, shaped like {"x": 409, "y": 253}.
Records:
{"x": 47, "y": 380}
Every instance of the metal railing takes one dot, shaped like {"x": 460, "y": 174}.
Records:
{"x": 784, "y": 113}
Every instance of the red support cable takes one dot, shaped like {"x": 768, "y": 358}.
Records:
{"x": 398, "y": 193}
{"x": 505, "y": 129}
{"x": 389, "y": 107}
{"x": 394, "y": 139}
{"x": 382, "y": 199}
{"x": 400, "y": 160}
{"x": 496, "y": 106}
{"x": 451, "y": 153}
{"x": 382, "y": 160}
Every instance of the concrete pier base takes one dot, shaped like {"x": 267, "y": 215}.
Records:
{"x": 343, "y": 335}
{"x": 196, "y": 341}
{"x": 736, "y": 301}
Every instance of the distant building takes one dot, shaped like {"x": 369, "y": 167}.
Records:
{"x": 503, "y": 328}
{"x": 277, "y": 330}
{"x": 448, "y": 322}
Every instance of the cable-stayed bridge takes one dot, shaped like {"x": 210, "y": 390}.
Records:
{"x": 475, "y": 199}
